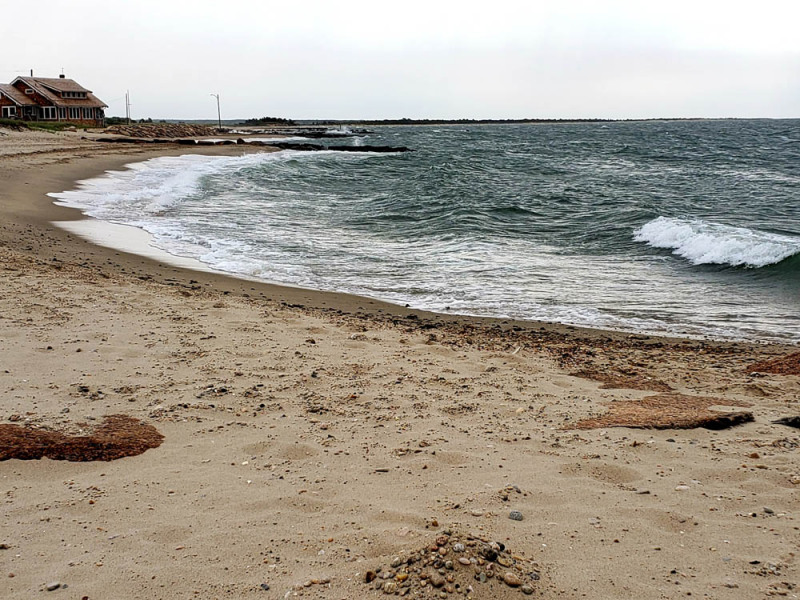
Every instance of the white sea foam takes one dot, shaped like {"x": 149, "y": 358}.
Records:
{"x": 339, "y": 131}
{"x": 702, "y": 242}
{"x": 152, "y": 187}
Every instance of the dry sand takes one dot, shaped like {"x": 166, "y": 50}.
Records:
{"x": 311, "y": 438}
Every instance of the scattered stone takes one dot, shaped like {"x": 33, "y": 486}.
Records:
{"x": 51, "y": 587}
{"x": 512, "y": 579}
{"x": 265, "y": 586}
{"x": 515, "y": 515}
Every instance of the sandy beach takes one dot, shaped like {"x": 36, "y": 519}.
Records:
{"x": 319, "y": 445}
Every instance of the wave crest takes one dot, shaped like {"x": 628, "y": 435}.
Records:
{"x": 702, "y": 242}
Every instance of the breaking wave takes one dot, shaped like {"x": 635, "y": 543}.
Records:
{"x": 702, "y": 242}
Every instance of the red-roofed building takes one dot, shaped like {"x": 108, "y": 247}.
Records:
{"x": 50, "y": 99}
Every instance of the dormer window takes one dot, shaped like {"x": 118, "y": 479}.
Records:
{"x": 29, "y": 91}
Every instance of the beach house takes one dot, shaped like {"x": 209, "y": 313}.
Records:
{"x": 50, "y": 99}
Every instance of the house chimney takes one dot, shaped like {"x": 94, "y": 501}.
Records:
{"x": 61, "y": 76}
{"x": 31, "y": 72}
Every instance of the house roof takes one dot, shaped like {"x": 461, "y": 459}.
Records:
{"x": 49, "y": 88}
{"x": 58, "y": 84}
{"x": 14, "y": 94}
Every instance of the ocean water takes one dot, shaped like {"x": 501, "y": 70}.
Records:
{"x": 686, "y": 228}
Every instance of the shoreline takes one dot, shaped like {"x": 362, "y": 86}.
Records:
{"x": 44, "y": 214}
{"x": 311, "y": 438}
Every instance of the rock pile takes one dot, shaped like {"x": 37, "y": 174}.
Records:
{"x": 456, "y": 564}
{"x": 161, "y": 130}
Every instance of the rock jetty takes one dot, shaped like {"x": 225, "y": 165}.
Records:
{"x": 162, "y": 130}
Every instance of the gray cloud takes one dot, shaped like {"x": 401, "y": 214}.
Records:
{"x": 370, "y": 60}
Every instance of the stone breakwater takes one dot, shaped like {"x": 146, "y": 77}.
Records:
{"x": 162, "y": 130}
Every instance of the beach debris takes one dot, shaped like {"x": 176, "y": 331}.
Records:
{"x": 53, "y": 586}
{"x": 668, "y": 411}
{"x": 788, "y": 421}
{"x": 628, "y": 381}
{"x": 117, "y": 437}
{"x": 515, "y": 515}
{"x": 783, "y": 365}
{"x": 455, "y": 563}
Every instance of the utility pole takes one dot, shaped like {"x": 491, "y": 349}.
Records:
{"x": 219, "y": 115}
{"x": 128, "y": 106}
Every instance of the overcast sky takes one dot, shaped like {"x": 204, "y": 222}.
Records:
{"x": 375, "y": 59}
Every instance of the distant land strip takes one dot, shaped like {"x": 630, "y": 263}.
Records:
{"x": 337, "y": 122}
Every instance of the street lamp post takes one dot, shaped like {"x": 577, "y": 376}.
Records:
{"x": 219, "y": 116}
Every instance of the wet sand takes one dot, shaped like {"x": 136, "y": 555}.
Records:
{"x": 310, "y": 438}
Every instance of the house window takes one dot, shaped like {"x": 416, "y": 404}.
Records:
{"x": 29, "y": 91}
{"x": 87, "y": 113}
{"x": 74, "y": 113}
{"x": 9, "y": 111}
{"x": 48, "y": 112}
{"x": 62, "y": 113}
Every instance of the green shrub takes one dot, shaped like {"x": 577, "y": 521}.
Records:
{"x": 13, "y": 124}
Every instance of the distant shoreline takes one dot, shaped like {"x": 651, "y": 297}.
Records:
{"x": 403, "y": 121}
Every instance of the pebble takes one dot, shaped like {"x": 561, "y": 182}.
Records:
{"x": 515, "y": 515}
{"x": 459, "y": 547}
{"x": 390, "y": 587}
{"x": 463, "y": 560}
{"x": 53, "y": 586}
{"x": 436, "y": 580}
{"x": 512, "y": 579}
{"x": 769, "y": 511}
{"x": 681, "y": 488}
{"x": 527, "y": 589}
{"x": 396, "y": 562}
{"x": 265, "y": 586}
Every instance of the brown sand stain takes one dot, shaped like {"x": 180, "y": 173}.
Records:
{"x": 118, "y": 436}
{"x": 783, "y": 365}
{"x": 669, "y": 411}
{"x": 628, "y": 381}
{"x": 298, "y": 452}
